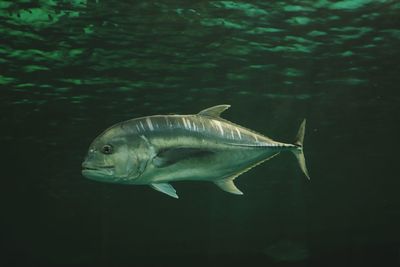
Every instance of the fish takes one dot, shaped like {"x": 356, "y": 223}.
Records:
{"x": 159, "y": 149}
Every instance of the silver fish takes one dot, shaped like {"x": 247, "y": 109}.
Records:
{"x": 156, "y": 150}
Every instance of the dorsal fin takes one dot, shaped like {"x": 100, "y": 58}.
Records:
{"x": 214, "y": 111}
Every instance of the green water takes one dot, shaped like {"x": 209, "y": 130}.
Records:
{"x": 70, "y": 69}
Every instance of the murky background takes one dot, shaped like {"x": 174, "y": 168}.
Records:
{"x": 70, "y": 69}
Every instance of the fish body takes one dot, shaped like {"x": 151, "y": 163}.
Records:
{"x": 156, "y": 150}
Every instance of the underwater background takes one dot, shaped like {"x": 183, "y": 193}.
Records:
{"x": 70, "y": 69}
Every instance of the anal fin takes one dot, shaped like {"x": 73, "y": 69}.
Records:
{"x": 228, "y": 186}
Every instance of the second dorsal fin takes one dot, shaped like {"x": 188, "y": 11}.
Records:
{"x": 214, "y": 111}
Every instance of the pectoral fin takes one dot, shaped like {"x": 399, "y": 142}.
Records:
{"x": 173, "y": 155}
{"x": 166, "y": 189}
{"x": 228, "y": 186}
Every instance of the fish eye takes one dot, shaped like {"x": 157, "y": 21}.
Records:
{"x": 107, "y": 149}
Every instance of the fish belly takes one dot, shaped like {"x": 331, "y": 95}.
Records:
{"x": 219, "y": 165}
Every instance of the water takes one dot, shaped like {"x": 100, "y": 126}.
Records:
{"x": 69, "y": 69}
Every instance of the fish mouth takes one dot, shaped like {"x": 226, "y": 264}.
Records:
{"x": 96, "y": 168}
{"x": 96, "y": 172}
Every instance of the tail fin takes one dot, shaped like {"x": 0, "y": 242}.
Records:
{"x": 298, "y": 153}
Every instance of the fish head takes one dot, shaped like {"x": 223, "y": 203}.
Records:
{"x": 115, "y": 157}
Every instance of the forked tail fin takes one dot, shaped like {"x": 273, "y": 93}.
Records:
{"x": 298, "y": 153}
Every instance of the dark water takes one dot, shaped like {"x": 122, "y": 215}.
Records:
{"x": 69, "y": 69}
